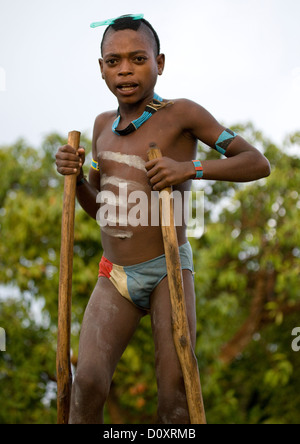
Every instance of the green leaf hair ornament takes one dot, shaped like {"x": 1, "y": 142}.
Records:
{"x": 109, "y": 22}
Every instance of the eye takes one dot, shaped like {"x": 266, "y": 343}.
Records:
{"x": 140, "y": 59}
{"x": 111, "y": 62}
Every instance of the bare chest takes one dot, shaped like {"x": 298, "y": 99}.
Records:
{"x": 131, "y": 150}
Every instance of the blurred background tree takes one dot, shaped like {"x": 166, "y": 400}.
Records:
{"x": 248, "y": 299}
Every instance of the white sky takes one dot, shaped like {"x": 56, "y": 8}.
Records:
{"x": 240, "y": 59}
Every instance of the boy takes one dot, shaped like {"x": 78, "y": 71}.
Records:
{"x": 132, "y": 274}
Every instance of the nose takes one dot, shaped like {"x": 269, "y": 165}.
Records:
{"x": 125, "y": 68}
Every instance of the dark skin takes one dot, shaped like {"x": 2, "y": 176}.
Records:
{"x": 130, "y": 68}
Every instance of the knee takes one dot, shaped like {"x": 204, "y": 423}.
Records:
{"x": 90, "y": 388}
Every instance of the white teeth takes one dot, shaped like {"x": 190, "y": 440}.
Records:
{"x": 127, "y": 88}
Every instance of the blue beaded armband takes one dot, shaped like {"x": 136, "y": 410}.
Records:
{"x": 95, "y": 165}
{"x": 225, "y": 140}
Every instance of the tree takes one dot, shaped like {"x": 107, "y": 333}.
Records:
{"x": 247, "y": 272}
{"x": 30, "y": 223}
{"x": 248, "y": 294}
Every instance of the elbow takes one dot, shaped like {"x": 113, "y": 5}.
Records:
{"x": 265, "y": 167}
{"x": 262, "y": 167}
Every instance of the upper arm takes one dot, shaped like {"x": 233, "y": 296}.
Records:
{"x": 200, "y": 123}
{"x": 203, "y": 126}
{"x": 94, "y": 174}
{"x": 94, "y": 178}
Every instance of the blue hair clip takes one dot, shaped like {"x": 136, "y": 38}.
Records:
{"x": 112, "y": 21}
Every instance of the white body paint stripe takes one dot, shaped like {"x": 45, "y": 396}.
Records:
{"x": 127, "y": 159}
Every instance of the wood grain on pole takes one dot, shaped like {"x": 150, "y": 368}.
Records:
{"x": 180, "y": 327}
{"x": 63, "y": 360}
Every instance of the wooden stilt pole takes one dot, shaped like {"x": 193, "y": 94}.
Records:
{"x": 63, "y": 360}
{"x": 181, "y": 333}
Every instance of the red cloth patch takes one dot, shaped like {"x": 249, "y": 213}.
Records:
{"x": 105, "y": 267}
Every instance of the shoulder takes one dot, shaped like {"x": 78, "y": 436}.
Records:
{"x": 195, "y": 120}
{"x": 190, "y": 114}
{"x": 186, "y": 108}
{"x": 103, "y": 119}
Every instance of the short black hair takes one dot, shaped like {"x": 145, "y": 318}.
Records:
{"x": 127, "y": 22}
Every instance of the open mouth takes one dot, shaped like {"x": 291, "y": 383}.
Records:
{"x": 127, "y": 87}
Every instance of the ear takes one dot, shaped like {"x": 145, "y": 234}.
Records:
{"x": 101, "y": 67}
{"x": 160, "y": 60}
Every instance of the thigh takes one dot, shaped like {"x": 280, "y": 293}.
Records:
{"x": 108, "y": 325}
{"x": 166, "y": 359}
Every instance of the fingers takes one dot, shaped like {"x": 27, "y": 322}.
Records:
{"x": 69, "y": 161}
{"x": 158, "y": 182}
{"x": 150, "y": 164}
{"x": 158, "y": 173}
{"x": 81, "y": 153}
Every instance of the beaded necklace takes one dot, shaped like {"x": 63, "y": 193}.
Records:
{"x": 151, "y": 108}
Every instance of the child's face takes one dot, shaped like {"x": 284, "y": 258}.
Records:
{"x": 129, "y": 65}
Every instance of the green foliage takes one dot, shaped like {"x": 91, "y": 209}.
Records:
{"x": 26, "y": 368}
{"x": 247, "y": 284}
{"x": 249, "y": 297}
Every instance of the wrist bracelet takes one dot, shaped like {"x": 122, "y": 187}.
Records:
{"x": 198, "y": 169}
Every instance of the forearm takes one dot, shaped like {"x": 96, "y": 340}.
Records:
{"x": 245, "y": 167}
{"x": 86, "y": 195}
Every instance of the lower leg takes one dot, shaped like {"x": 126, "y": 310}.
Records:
{"x": 87, "y": 400}
{"x": 108, "y": 325}
{"x": 172, "y": 402}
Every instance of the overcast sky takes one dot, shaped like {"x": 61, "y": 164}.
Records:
{"x": 240, "y": 59}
